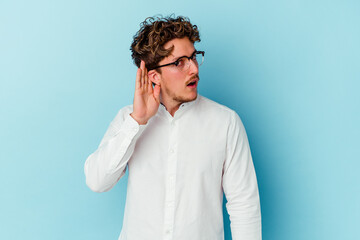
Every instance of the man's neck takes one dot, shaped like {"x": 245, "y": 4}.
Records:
{"x": 171, "y": 106}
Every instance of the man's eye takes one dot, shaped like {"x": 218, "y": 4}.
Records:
{"x": 180, "y": 62}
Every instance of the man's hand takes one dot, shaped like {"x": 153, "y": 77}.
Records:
{"x": 147, "y": 98}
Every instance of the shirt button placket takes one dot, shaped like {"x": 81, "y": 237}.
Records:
{"x": 170, "y": 183}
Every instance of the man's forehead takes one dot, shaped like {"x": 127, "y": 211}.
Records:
{"x": 180, "y": 47}
{"x": 177, "y": 56}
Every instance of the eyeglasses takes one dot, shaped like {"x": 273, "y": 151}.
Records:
{"x": 183, "y": 63}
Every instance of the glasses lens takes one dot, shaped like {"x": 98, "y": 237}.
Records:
{"x": 183, "y": 63}
{"x": 199, "y": 58}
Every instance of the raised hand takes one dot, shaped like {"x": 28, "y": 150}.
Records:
{"x": 147, "y": 98}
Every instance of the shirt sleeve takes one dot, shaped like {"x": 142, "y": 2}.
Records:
{"x": 240, "y": 185}
{"x": 107, "y": 164}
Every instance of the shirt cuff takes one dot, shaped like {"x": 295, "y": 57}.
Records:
{"x": 131, "y": 128}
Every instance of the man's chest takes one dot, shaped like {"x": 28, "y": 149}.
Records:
{"x": 192, "y": 147}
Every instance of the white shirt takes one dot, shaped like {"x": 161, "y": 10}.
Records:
{"x": 179, "y": 168}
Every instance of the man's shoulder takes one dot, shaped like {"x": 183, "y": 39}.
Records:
{"x": 214, "y": 107}
{"x": 220, "y": 114}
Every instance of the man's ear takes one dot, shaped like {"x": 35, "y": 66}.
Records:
{"x": 154, "y": 77}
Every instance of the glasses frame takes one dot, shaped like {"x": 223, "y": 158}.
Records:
{"x": 176, "y": 63}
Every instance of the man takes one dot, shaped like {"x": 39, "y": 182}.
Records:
{"x": 182, "y": 150}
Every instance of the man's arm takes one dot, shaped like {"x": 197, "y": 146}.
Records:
{"x": 240, "y": 185}
{"x": 108, "y": 163}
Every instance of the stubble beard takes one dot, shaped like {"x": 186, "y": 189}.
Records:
{"x": 181, "y": 99}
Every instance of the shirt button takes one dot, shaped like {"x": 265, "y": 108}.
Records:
{"x": 171, "y": 150}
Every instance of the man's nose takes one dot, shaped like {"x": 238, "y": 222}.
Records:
{"x": 193, "y": 66}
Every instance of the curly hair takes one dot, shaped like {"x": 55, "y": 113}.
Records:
{"x": 148, "y": 42}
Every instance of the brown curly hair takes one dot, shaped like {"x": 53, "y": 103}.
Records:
{"x": 148, "y": 42}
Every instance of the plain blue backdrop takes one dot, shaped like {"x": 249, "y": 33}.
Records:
{"x": 290, "y": 69}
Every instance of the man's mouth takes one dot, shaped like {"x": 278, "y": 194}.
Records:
{"x": 193, "y": 82}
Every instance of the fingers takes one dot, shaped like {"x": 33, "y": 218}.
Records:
{"x": 146, "y": 81}
{"x": 142, "y": 67}
{"x": 149, "y": 85}
{"x": 138, "y": 79}
{"x": 157, "y": 93}
{"x": 143, "y": 73}
{"x": 141, "y": 77}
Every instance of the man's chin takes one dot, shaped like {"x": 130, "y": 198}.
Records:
{"x": 192, "y": 98}
{"x": 187, "y": 99}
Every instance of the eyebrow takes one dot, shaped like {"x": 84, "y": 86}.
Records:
{"x": 177, "y": 58}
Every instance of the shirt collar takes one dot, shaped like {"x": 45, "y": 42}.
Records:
{"x": 183, "y": 107}
{"x": 188, "y": 104}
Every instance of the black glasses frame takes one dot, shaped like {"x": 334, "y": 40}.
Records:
{"x": 176, "y": 63}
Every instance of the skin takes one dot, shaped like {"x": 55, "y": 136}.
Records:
{"x": 171, "y": 85}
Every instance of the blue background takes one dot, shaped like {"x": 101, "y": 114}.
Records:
{"x": 290, "y": 69}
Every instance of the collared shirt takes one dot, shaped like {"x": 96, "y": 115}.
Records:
{"x": 179, "y": 167}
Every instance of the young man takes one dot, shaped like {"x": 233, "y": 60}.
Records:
{"x": 182, "y": 150}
